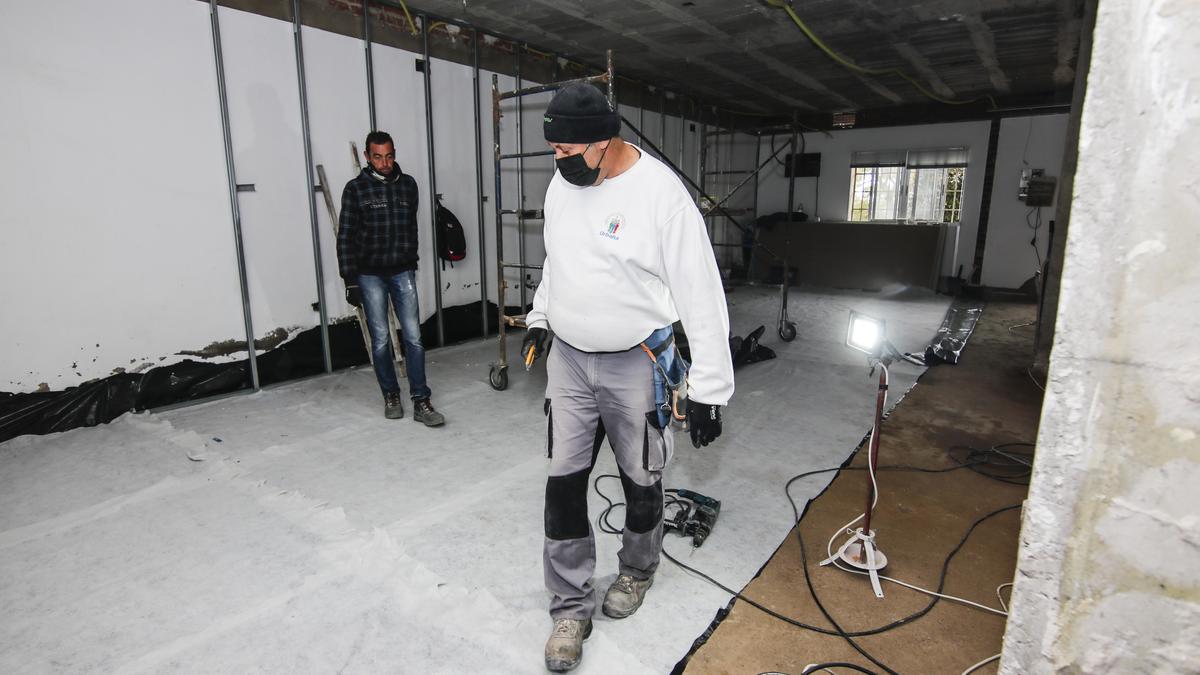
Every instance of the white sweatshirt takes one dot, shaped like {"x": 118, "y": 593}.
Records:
{"x": 629, "y": 256}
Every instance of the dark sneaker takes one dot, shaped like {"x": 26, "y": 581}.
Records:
{"x": 393, "y": 406}
{"x": 423, "y": 412}
{"x": 625, "y": 596}
{"x": 564, "y": 649}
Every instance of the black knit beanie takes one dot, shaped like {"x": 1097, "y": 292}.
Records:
{"x": 579, "y": 113}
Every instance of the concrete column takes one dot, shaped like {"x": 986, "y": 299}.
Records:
{"x": 1052, "y": 281}
{"x": 1108, "y": 577}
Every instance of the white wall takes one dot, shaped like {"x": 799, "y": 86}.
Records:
{"x": 1035, "y": 142}
{"x": 119, "y": 246}
{"x": 1008, "y": 258}
{"x": 337, "y": 112}
{"x": 268, "y": 151}
{"x": 400, "y": 111}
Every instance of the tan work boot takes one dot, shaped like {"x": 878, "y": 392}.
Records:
{"x": 625, "y": 596}
{"x": 564, "y": 649}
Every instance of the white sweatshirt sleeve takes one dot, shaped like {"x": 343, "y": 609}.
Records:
{"x": 536, "y": 318}
{"x": 690, "y": 270}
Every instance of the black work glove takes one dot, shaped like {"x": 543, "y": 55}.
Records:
{"x": 354, "y": 295}
{"x": 704, "y": 422}
{"x": 535, "y": 338}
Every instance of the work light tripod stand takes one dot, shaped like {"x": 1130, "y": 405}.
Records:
{"x": 860, "y": 551}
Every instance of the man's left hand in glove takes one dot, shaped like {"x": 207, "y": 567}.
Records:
{"x": 704, "y": 422}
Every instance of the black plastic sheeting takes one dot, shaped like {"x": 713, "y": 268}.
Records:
{"x": 956, "y": 329}
{"x": 104, "y": 400}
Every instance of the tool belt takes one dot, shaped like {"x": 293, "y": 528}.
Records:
{"x": 670, "y": 375}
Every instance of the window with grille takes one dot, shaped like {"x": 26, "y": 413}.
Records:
{"x": 908, "y": 185}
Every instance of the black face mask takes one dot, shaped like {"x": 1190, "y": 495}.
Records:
{"x": 575, "y": 169}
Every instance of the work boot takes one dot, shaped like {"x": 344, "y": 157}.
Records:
{"x": 625, "y": 596}
{"x": 393, "y": 407}
{"x": 423, "y": 412}
{"x": 564, "y": 649}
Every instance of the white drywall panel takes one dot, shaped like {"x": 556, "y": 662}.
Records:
{"x": 1034, "y": 142}
{"x": 651, "y": 127}
{"x": 454, "y": 145}
{"x": 400, "y": 111}
{"x": 632, "y": 114}
{"x": 268, "y": 152}
{"x": 337, "y": 113}
{"x": 119, "y": 245}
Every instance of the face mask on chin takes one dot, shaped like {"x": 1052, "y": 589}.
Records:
{"x": 575, "y": 169}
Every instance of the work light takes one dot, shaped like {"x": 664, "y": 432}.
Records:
{"x": 865, "y": 333}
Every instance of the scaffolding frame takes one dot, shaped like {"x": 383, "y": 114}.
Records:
{"x": 710, "y": 206}
{"x": 498, "y": 371}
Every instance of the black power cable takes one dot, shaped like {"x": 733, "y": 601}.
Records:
{"x": 835, "y": 664}
{"x": 812, "y": 590}
{"x": 602, "y": 520}
{"x": 997, "y": 462}
{"x": 795, "y": 160}
{"x": 605, "y": 526}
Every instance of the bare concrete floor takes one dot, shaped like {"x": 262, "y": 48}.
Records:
{"x": 988, "y": 398}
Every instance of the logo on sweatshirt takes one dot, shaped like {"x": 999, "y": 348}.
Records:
{"x": 612, "y": 226}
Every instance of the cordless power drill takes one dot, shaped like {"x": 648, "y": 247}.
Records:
{"x": 701, "y": 519}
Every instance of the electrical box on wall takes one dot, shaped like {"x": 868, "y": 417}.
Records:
{"x": 1041, "y": 191}
{"x": 1036, "y": 188}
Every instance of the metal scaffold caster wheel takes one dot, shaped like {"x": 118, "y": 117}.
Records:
{"x": 787, "y": 331}
{"x": 498, "y": 377}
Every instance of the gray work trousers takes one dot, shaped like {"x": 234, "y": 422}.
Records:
{"x": 588, "y": 396}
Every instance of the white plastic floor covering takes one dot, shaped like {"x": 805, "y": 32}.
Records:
{"x": 296, "y": 530}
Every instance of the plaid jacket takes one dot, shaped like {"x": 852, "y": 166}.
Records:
{"x": 378, "y": 227}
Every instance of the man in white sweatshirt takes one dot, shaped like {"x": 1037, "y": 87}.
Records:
{"x": 627, "y": 254}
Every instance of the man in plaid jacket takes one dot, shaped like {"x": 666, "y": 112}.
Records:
{"x": 377, "y": 258}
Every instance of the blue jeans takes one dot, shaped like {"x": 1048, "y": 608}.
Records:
{"x": 403, "y": 291}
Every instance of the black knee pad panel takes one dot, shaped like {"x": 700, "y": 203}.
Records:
{"x": 643, "y": 505}
{"x": 566, "y": 505}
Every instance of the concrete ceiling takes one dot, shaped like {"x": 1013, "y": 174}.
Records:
{"x": 747, "y": 55}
